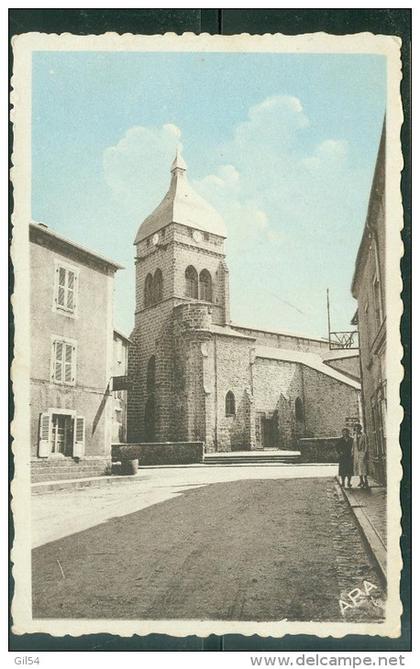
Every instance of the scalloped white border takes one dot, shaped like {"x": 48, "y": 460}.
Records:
{"x": 23, "y": 47}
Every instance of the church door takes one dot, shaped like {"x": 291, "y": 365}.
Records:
{"x": 270, "y": 432}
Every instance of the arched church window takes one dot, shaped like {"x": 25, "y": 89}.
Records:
{"x": 230, "y": 404}
{"x": 205, "y": 286}
{"x": 151, "y": 374}
{"x": 157, "y": 286}
{"x": 148, "y": 291}
{"x": 191, "y": 282}
{"x": 299, "y": 409}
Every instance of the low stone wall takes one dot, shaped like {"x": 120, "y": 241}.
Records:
{"x": 166, "y": 453}
{"x": 59, "y": 469}
{"x": 318, "y": 449}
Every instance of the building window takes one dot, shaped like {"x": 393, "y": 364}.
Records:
{"x": 157, "y": 286}
{"x": 377, "y": 301}
{"x": 148, "y": 291}
{"x": 205, "y": 286}
{"x": 191, "y": 282}
{"x": 63, "y": 366}
{"x": 299, "y": 409}
{"x": 230, "y": 404}
{"x": 65, "y": 294}
{"x": 151, "y": 374}
{"x": 61, "y": 434}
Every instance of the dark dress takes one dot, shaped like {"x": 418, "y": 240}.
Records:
{"x": 345, "y": 463}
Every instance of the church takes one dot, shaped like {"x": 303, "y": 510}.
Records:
{"x": 193, "y": 374}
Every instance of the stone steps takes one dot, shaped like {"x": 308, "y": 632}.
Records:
{"x": 249, "y": 458}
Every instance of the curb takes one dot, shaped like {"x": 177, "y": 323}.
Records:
{"x": 372, "y": 538}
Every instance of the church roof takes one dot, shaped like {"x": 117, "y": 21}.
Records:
{"x": 305, "y": 358}
{"x": 183, "y": 205}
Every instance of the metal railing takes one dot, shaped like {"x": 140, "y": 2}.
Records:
{"x": 344, "y": 340}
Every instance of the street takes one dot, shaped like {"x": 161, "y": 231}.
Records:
{"x": 237, "y": 543}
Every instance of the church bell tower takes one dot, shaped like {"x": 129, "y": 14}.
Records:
{"x": 180, "y": 259}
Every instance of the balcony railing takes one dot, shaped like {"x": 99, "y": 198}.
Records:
{"x": 344, "y": 340}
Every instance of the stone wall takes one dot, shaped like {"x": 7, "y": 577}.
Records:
{"x": 228, "y": 369}
{"x": 328, "y": 403}
{"x": 59, "y": 469}
{"x": 174, "y": 453}
{"x": 322, "y": 449}
{"x": 349, "y": 365}
{"x": 284, "y": 340}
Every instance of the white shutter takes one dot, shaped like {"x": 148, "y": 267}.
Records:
{"x": 61, "y": 288}
{"x": 70, "y": 290}
{"x": 44, "y": 446}
{"x": 68, "y": 364}
{"x": 75, "y": 284}
{"x": 79, "y": 437}
{"x": 73, "y": 364}
{"x": 58, "y": 361}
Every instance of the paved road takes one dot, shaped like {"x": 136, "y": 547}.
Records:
{"x": 248, "y": 543}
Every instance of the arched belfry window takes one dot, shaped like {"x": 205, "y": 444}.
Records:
{"x": 151, "y": 374}
{"x": 148, "y": 291}
{"x": 230, "y": 408}
{"x": 299, "y": 409}
{"x": 157, "y": 286}
{"x": 191, "y": 282}
{"x": 205, "y": 286}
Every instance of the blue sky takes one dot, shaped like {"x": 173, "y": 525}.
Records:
{"x": 284, "y": 146}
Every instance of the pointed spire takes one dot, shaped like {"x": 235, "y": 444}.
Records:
{"x": 179, "y": 163}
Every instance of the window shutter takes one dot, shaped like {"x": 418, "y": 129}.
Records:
{"x": 58, "y": 361}
{"x": 74, "y": 296}
{"x": 44, "y": 446}
{"x": 79, "y": 437}
{"x": 68, "y": 364}
{"x": 73, "y": 364}
{"x": 70, "y": 290}
{"x": 61, "y": 286}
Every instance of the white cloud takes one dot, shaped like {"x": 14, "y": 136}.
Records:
{"x": 245, "y": 219}
{"x": 270, "y": 182}
{"x": 298, "y": 186}
{"x": 136, "y": 167}
{"x": 277, "y": 184}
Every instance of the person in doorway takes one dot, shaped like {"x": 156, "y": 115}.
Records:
{"x": 360, "y": 456}
{"x": 345, "y": 463}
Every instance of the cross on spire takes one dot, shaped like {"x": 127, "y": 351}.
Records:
{"x": 179, "y": 163}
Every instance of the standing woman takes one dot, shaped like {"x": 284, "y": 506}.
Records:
{"x": 345, "y": 449}
{"x": 360, "y": 456}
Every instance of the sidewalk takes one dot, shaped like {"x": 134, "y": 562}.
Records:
{"x": 369, "y": 507}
